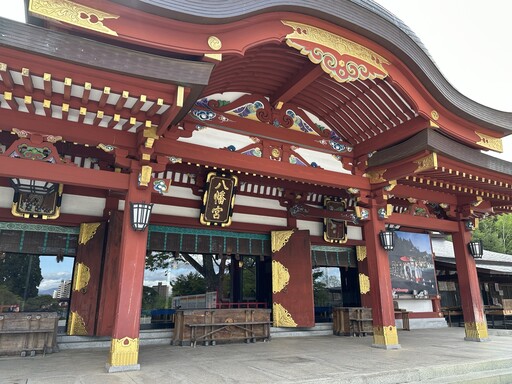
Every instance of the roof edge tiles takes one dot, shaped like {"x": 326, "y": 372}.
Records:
{"x": 93, "y": 54}
{"x": 361, "y": 16}
{"x": 431, "y": 140}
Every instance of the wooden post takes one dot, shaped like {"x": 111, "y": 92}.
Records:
{"x": 384, "y": 329}
{"x": 124, "y": 349}
{"x": 475, "y": 322}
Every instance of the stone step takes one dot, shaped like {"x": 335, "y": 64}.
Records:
{"x": 146, "y": 337}
{"x": 320, "y": 329}
{"x": 494, "y": 376}
{"x": 484, "y": 372}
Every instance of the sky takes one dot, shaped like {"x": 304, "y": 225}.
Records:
{"x": 468, "y": 40}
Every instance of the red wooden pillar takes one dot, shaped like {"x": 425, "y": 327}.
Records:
{"x": 475, "y": 322}
{"x": 384, "y": 328}
{"x": 124, "y": 348}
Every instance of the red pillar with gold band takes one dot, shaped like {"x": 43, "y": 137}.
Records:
{"x": 124, "y": 349}
{"x": 475, "y": 322}
{"x": 384, "y": 329}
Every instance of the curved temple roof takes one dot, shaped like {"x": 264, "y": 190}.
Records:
{"x": 362, "y": 16}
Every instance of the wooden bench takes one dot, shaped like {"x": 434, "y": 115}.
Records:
{"x": 210, "y": 329}
{"x": 404, "y": 315}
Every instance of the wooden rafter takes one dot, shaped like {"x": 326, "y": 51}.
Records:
{"x": 308, "y": 74}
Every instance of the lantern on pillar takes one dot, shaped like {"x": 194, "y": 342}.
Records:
{"x": 139, "y": 213}
{"x": 387, "y": 240}
{"x": 476, "y": 248}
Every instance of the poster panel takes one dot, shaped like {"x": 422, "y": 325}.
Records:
{"x": 411, "y": 264}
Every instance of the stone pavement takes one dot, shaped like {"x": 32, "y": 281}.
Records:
{"x": 426, "y": 356}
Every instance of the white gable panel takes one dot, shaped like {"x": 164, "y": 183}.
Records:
{"x": 315, "y": 228}
{"x": 215, "y": 138}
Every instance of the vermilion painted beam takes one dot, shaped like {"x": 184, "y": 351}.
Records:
{"x": 249, "y": 127}
{"x": 70, "y": 131}
{"x": 406, "y": 191}
{"x": 235, "y": 161}
{"x": 65, "y": 174}
{"x": 392, "y": 136}
{"x": 419, "y": 222}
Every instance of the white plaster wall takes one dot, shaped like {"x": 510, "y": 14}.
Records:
{"x": 315, "y": 228}
{"x": 82, "y": 205}
{"x": 258, "y": 219}
{"x": 258, "y": 202}
{"x": 354, "y": 233}
{"x": 6, "y": 196}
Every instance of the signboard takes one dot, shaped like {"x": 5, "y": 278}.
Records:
{"x": 218, "y": 199}
{"x": 335, "y": 231}
{"x": 412, "y": 265}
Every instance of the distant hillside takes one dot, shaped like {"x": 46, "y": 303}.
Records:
{"x": 48, "y": 291}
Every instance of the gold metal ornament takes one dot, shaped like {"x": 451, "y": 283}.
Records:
{"x": 76, "y": 325}
{"x": 276, "y": 153}
{"x": 434, "y": 114}
{"x": 361, "y": 252}
{"x": 280, "y": 276}
{"x": 279, "y": 239}
{"x": 364, "y": 284}
{"x": 376, "y": 176}
{"x": 282, "y": 317}
{"x": 82, "y": 277}
{"x": 385, "y": 335}
{"x": 87, "y": 232}
{"x": 124, "y": 351}
{"x": 310, "y": 40}
{"x": 72, "y": 13}
{"x": 493, "y": 143}
{"x": 214, "y": 43}
{"x": 426, "y": 163}
{"x": 145, "y": 175}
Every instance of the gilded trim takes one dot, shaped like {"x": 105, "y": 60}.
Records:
{"x": 385, "y": 335}
{"x": 72, "y": 13}
{"x": 342, "y": 67}
{"x": 87, "y": 232}
{"x": 426, "y": 163}
{"x": 376, "y": 176}
{"x": 361, "y": 252}
{"x": 490, "y": 142}
{"x": 124, "y": 351}
{"x": 282, "y": 317}
{"x": 82, "y": 277}
{"x": 364, "y": 284}
{"x": 476, "y": 331}
{"x": 145, "y": 175}
{"x": 279, "y": 239}
{"x": 76, "y": 325}
{"x": 214, "y": 43}
{"x": 280, "y": 276}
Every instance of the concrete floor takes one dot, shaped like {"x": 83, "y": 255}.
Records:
{"x": 425, "y": 355}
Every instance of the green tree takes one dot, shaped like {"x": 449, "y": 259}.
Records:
{"x": 41, "y": 303}
{"x": 7, "y": 297}
{"x": 211, "y": 268}
{"x": 191, "y": 284}
{"x": 496, "y": 233}
{"x": 320, "y": 290}
{"x": 16, "y": 270}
